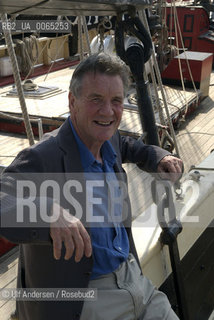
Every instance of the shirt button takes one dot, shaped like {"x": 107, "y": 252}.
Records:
{"x": 119, "y": 248}
{"x": 34, "y": 234}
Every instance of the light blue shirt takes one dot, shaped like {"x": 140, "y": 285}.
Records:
{"x": 109, "y": 237}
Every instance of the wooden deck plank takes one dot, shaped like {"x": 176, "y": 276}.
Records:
{"x": 195, "y": 141}
{"x": 7, "y": 268}
{"x": 131, "y": 122}
{"x": 194, "y": 146}
{"x": 8, "y": 275}
{"x": 57, "y": 105}
{"x": 211, "y": 316}
{"x": 10, "y": 146}
{"x": 201, "y": 132}
{"x": 7, "y": 309}
{"x": 11, "y": 278}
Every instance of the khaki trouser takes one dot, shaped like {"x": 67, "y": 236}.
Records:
{"x": 126, "y": 294}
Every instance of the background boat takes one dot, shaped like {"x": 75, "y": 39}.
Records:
{"x": 195, "y": 243}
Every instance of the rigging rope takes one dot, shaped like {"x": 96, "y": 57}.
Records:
{"x": 171, "y": 12}
{"x": 142, "y": 15}
{"x": 38, "y": 121}
{"x": 187, "y": 61}
{"x": 17, "y": 79}
{"x": 104, "y": 24}
{"x": 81, "y": 20}
{"x": 56, "y": 55}
{"x": 40, "y": 53}
{"x": 178, "y": 29}
{"x": 179, "y": 60}
{"x": 86, "y": 34}
{"x": 80, "y": 37}
{"x": 24, "y": 52}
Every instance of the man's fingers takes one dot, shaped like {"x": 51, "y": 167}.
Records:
{"x": 70, "y": 230}
{"x": 170, "y": 168}
{"x": 172, "y": 176}
{"x": 78, "y": 243}
{"x": 69, "y": 246}
{"x": 87, "y": 241}
{"x": 57, "y": 245}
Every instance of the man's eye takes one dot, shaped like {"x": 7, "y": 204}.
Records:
{"x": 96, "y": 100}
{"x": 117, "y": 101}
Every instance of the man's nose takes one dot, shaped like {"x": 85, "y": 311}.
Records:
{"x": 107, "y": 109}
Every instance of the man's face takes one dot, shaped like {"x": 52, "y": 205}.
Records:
{"x": 97, "y": 112}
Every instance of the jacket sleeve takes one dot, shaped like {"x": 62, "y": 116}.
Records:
{"x": 145, "y": 156}
{"x": 26, "y": 230}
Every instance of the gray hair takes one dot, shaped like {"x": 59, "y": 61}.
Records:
{"x": 100, "y": 63}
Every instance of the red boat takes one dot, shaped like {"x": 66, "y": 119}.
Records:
{"x": 195, "y": 28}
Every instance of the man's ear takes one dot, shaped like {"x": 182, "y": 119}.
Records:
{"x": 71, "y": 100}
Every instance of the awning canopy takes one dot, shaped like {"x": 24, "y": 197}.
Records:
{"x": 70, "y": 8}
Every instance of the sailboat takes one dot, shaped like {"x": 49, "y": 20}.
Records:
{"x": 178, "y": 261}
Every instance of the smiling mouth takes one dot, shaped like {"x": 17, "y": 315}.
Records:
{"x": 104, "y": 124}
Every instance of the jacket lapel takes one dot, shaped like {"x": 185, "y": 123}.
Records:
{"x": 72, "y": 161}
{"x": 68, "y": 144}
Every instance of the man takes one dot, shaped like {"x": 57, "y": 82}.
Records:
{"x": 70, "y": 253}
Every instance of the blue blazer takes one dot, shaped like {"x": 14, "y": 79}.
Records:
{"x": 58, "y": 152}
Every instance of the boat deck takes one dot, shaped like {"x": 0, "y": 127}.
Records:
{"x": 54, "y": 106}
{"x": 8, "y": 274}
{"x": 195, "y": 136}
{"x": 195, "y": 140}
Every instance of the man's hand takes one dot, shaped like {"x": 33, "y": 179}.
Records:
{"x": 170, "y": 168}
{"x": 70, "y": 230}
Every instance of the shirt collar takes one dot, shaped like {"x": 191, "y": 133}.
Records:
{"x": 87, "y": 158}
